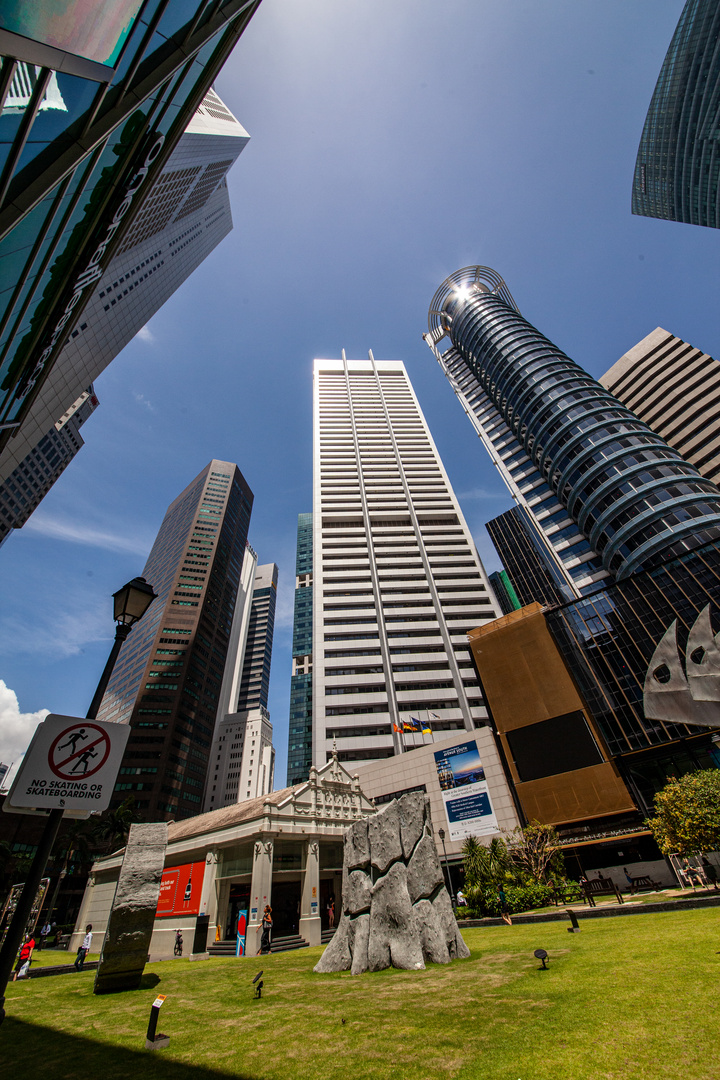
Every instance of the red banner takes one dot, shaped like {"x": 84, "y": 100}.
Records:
{"x": 181, "y": 889}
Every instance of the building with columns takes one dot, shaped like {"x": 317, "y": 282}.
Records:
{"x": 285, "y": 849}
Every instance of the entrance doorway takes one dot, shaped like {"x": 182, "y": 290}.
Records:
{"x": 285, "y": 908}
{"x": 239, "y": 901}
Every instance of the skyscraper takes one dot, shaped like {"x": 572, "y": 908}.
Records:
{"x": 255, "y": 682}
{"x": 185, "y": 216}
{"x": 242, "y": 758}
{"x": 32, "y": 478}
{"x": 675, "y": 389}
{"x": 397, "y": 581}
{"x": 92, "y": 107}
{"x": 300, "y": 727}
{"x": 533, "y": 574}
{"x": 167, "y": 680}
{"x": 677, "y": 169}
{"x": 634, "y": 498}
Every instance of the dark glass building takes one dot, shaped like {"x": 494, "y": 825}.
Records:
{"x": 608, "y": 641}
{"x": 90, "y": 111}
{"x": 532, "y": 573}
{"x": 166, "y": 683}
{"x": 678, "y": 165}
{"x": 638, "y": 502}
{"x": 503, "y": 588}
{"x": 300, "y": 730}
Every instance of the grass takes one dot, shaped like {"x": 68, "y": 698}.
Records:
{"x": 630, "y": 998}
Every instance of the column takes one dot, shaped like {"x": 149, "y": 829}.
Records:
{"x": 260, "y": 893}
{"x": 310, "y": 925}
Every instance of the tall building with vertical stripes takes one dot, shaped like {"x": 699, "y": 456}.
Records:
{"x": 397, "y": 581}
{"x": 675, "y": 389}
{"x": 167, "y": 681}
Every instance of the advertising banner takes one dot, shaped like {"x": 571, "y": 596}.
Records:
{"x": 71, "y": 764}
{"x": 181, "y": 890}
{"x": 241, "y": 932}
{"x": 465, "y": 791}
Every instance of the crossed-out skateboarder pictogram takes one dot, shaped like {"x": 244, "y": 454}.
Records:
{"x": 79, "y": 752}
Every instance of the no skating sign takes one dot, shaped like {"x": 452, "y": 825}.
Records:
{"x": 71, "y": 764}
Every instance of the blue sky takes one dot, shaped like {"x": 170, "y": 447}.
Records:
{"x": 391, "y": 144}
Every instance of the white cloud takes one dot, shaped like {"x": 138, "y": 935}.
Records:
{"x": 61, "y": 529}
{"x": 142, "y": 400}
{"x": 481, "y": 493}
{"x": 146, "y": 334}
{"x": 16, "y": 728}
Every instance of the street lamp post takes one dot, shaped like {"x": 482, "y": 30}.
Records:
{"x": 441, "y": 834}
{"x": 130, "y": 604}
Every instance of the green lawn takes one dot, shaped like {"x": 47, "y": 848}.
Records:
{"x": 626, "y": 999}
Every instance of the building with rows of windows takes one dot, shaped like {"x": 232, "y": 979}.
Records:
{"x": 397, "y": 581}
{"x": 167, "y": 680}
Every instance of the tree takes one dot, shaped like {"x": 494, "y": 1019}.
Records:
{"x": 114, "y": 826}
{"x": 534, "y": 848}
{"x": 484, "y": 864}
{"x": 687, "y": 814}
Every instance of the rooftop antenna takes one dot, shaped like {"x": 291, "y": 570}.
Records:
{"x": 344, "y": 356}
{"x": 370, "y": 356}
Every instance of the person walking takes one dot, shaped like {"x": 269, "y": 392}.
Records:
{"x": 266, "y": 927}
{"x": 504, "y": 907}
{"x": 84, "y": 948}
{"x": 25, "y": 955}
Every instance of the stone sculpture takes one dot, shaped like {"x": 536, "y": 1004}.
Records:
{"x": 396, "y": 911}
{"x": 130, "y": 927}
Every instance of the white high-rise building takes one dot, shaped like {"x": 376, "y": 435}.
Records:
{"x": 397, "y": 578}
{"x": 185, "y": 215}
{"x": 242, "y": 758}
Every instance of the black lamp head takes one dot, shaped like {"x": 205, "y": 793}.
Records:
{"x": 132, "y": 601}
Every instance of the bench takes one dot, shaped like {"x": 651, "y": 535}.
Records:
{"x": 564, "y": 896}
{"x": 600, "y": 887}
{"x": 643, "y": 883}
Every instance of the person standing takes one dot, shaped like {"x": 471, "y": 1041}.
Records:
{"x": 44, "y": 934}
{"x": 331, "y": 913}
{"x": 266, "y": 926}
{"x": 84, "y": 948}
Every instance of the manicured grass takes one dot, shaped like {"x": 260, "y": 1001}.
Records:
{"x": 626, "y": 999}
{"x": 56, "y": 957}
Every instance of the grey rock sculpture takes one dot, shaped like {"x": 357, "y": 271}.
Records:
{"x": 125, "y": 950}
{"x": 396, "y": 911}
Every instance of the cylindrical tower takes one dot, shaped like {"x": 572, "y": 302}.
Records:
{"x": 636, "y": 499}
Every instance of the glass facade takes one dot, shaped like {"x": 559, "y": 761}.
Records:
{"x": 533, "y": 577}
{"x": 79, "y": 149}
{"x": 607, "y": 641}
{"x": 678, "y": 166}
{"x": 637, "y": 501}
{"x": 300, "y": 730}
{"x": 504, "y": 591}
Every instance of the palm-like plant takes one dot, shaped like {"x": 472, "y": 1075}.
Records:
{"x": 113, "y": 827}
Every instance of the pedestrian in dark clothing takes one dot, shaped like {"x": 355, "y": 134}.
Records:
{"x": 266, "y": 928}
{"x": 504, "y": 907}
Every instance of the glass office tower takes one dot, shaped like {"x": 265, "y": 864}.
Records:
{"x": 636, "y": 499}
{"x": 300, "y": 729}
{"x": 677, "y": 167}
{"x": 90, "y": 111}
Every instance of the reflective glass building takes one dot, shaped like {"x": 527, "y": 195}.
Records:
{"x": 90, "y": 111}
{"x": 300, "y": 730}
{"x": 635, "y": 499}
{"x": 678, "y": 162}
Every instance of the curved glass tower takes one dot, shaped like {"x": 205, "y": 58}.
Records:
{"x": 634, "y": 498}
{"x": 678, "y": 164}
